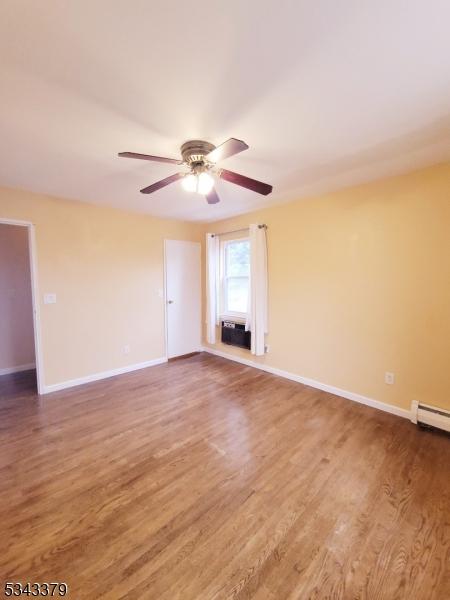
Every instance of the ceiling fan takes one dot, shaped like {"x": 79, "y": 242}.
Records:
{"x": 201, "y": 157}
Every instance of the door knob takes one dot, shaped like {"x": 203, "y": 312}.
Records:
{"x": 169, "y": 301}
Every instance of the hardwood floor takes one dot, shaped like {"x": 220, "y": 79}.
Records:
{"x": 204, "y": 479}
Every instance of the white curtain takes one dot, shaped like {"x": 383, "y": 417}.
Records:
{"x": 257, "y": 305}
{"x": 212, "y": 278}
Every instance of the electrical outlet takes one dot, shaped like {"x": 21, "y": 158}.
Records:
{"x": 126, "y": 349}
{"x": 389, "y": 378}
{"x": 266, "y": 348}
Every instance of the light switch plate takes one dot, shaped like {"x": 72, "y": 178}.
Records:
{"x": 49, "y": 298}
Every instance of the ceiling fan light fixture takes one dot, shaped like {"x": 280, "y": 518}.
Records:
{"x": 201, "y": 183}
{"x": 205, "y": 183}
{"x": 189, "y": 183}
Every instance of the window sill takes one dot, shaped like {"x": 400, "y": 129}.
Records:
{"x": 234, "y": 318}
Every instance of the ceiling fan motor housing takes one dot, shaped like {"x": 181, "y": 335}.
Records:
{"x": 194, "y": 152}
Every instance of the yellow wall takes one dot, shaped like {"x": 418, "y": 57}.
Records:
{"x": 359, "y": 284}
{"x": 106, "y": 267}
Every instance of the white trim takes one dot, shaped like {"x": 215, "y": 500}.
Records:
{"x": 390, "y": 408}
{"x": 166, "y": 321}
{"x": 15, "y": 222}
{"x": 34, "y": 298}
{"x": 39, "y": 356}
{"x": 414, "y": 411}
{"x": 55, "y": 387}
{"x": 17, "y": 369}
{"x": 232, "y": 318}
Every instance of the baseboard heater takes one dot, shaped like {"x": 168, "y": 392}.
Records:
{"x": 430, "y": 416}
{"x": 234, "y": 334}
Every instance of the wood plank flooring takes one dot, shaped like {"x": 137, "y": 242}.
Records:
{"x": 204, "y": 479}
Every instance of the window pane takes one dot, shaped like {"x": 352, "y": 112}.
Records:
{"x": 238, "y": 258}
{"x": 237, "y": 293}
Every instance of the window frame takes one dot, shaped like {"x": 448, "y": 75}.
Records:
{"x": 224, "y": 312}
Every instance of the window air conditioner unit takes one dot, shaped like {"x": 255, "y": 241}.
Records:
{"x": 234, "y": 334}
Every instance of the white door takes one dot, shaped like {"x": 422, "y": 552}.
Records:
{"x": 183, "y": 312}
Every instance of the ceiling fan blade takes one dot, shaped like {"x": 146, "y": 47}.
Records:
{"x": 212, "y": 197}
{"x": 227, "y": 149}
{"x": 149, "y": 157}
{"x": 247, "y": 182}
{"x": 162, "y": 183}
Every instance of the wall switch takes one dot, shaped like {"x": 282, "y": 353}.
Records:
{"x": 389, "y": 378}
{"x": 160, "y": 293}
{"x": 49, "y": 298}
{"x": 126, "y": 349}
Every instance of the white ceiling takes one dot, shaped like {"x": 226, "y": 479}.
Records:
{"x": 327, "y": 94}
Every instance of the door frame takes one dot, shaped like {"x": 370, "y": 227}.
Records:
{"x": 34, "y": 298}
{"x": 166, "y": 320}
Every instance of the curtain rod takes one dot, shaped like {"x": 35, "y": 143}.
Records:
{"x": 263, "y": 226}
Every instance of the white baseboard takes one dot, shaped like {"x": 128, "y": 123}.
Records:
{"x": 18, "y": 369}
{"x": 390, "y": 408}
{"x": 55, "y": 387}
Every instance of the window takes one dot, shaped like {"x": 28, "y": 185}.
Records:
{"x": 235, "y": 277}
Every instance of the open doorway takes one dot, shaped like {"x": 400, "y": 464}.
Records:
{"x": 18, "y": 316}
